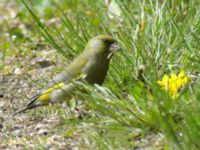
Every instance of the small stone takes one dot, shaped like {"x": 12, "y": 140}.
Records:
{"x": 17, "y": 71}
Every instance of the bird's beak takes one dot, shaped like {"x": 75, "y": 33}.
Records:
{"x": 113, "y": 48}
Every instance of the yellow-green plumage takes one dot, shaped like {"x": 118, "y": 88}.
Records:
{"x": 91, "y": 65}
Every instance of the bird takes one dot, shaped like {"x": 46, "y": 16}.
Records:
{"x": 90, "y": 66}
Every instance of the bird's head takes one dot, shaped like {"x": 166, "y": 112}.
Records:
{"x": 103, "y": 46}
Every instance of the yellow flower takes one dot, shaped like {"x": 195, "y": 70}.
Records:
{"x": 173, "y": 83}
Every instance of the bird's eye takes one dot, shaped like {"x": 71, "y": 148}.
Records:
{"x": 108, "y": 42}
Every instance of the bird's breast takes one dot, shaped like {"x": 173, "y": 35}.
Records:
{"x": 97, "y": 71}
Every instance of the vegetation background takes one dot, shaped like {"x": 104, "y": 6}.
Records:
{"x": 130, "y": 111}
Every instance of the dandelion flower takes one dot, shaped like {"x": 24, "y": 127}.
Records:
{"x": 173, "y": 83}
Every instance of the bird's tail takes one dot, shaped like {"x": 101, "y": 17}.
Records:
{"x": 42, "y": 98}
{"x": 30, "y": 105}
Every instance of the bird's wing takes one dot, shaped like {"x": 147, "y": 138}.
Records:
{"x": 73, "y": 71}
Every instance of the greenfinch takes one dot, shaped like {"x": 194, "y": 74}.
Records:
{"x": 90, "y": 66}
